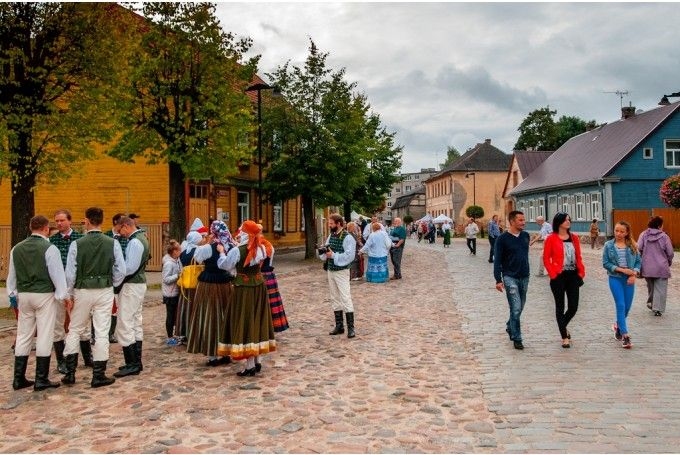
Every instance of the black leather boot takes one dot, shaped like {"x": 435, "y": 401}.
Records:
{"x": 20, "y": 381}
{"x": 71, "y": 361}
{"x": 338, "y": 324}
{"x": 59, "y": 354}
{"x": 126, "y": 356}
{"x": 138, "y": 344}
{"x": 112, "y": 330}
{"x": 99, "y": 378}
{"x": 133, "y": 366}
{"x": 42, "y": 370}
{"x": 350, "y": 325}
{"x": 86, "y": 351}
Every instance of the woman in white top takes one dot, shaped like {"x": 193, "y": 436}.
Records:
{"x": 377, "y": 248}
{"x": 471, "y": 231}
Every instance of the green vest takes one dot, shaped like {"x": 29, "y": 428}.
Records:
{"x": 335, "y": 243}
{"x": 139, "y": 276}
{"x": 247, "y": 275}
{"x": 30, "y": 265}
{"x": 95, "y": 261}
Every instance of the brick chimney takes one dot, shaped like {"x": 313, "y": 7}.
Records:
{"x": 627, "y": 112}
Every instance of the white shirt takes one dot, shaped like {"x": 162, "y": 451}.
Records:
{"x": 55, "y": 268}
{"x": 377, "y": 245}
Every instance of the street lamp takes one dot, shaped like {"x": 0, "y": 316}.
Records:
{"x": 664, "y": 100}
{"x": 258, "y": 88}
{"x": 474, "y": 186}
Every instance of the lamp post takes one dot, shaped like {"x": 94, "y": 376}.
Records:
{"x": 258, "y": 88}
{"x": 474, "y": 186}
{"x": 664, "y": 100}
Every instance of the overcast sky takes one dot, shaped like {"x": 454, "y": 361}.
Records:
{"x": 443, "y": 74}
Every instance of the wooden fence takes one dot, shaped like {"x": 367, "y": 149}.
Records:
{"x": 638, "y": 220}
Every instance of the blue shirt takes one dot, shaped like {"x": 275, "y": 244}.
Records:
{"x": 511, "y": 256}
{"x": 494, "y": 230}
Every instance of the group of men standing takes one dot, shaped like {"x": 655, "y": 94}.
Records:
{"x": 77, "y": 275}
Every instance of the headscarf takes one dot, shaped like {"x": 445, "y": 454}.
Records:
{"x": 196, "y": 225}
{"x": 255, "y": 239}
{"x": 193, "y": 239}
{"x": 221, "y": 234}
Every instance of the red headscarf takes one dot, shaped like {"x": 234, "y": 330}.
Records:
{"x": 255, "y": 239}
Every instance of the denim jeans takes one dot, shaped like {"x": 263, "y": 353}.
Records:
{"x": 516, "y": 292}
{"x": 623, "y": 294}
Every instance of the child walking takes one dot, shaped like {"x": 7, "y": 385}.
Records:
{"x": 171, "y": 270}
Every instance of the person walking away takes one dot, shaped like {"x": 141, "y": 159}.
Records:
{"x": 656, "y": 250}
{"x": 538, "y": 239}
{"x": 338, "y": 253}
{"x": 377, "y": 248}
{"x": 36, "y": 284}
{"x": 594, "y": 233}
{"x": 564, "y": 264}
{"x": 398, "y": 238}
{"x": 170, "y": 274}
{"x": 95, "y": 264}
{"x": 446, "y": 230}
{"x": 621, "y": 259}
{"x": 471, "y": 231}
{"x": 494, "y": 232}
{"x": 356, "y": 269}
{"x": 130, "y": 331}
{"x": 511, "y": 271}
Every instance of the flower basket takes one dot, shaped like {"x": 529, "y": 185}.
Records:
{"x": 669, "y": 193}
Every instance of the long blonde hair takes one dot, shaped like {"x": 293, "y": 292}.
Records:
{"x": 630, "y": 243}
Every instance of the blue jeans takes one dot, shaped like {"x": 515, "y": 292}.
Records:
{"x": 516, "y": 292}
{"x": 623, "y": 299}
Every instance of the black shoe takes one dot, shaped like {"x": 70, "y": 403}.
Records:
{"x": 507, "y": 330}
{"x": 490, "y": 261}
{"x": 566, "y": 345}
{"x": 350, "y": 325}
{"x": 657, "y": 313}
{"x": 71, "y": 361}
{"x": 132, "y": 368}
{"x": 518, "y": 345}
{"x": 649, "y": 305}
{"x": 339, "y": 328}
{"x": 42, "y": 370}
{"x": 59, "y": 354}
{"x": 247, "y": 372}
{"x": 226, "y": 360}
{"x": 99, "y": 378}
{"x": 20, "y": 380}
{"x": 258, "y": 367}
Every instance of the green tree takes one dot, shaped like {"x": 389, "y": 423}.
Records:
{"x": 475, "y": 212}
{"x": 538, "y": 131}
{"x": 57, "y": 93}
{"x": 452, "y": 154}
{"x": 188, "y": 106}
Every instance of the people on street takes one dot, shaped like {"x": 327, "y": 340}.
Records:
{"x": 657, "y": 254}
{"x": 537, "y": 239}
{"x": 471, "y": 231}
{"x": 398, "y": 237}
{"x": 494, "y": 232}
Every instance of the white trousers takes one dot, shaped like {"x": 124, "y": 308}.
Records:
{"x": 129, "y": 326}
{"x": 36, "y": 311}
{"x": 338, "y": 284}
{"x": 60, "y": 333}
{"x": 94, "y": 303}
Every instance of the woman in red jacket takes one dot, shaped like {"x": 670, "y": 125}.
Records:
{"x": 563, "y": 262}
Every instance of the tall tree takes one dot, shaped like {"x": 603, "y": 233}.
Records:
{"x": 452, "y": 154}
{"x": 538, "y": 131}
{"x": 58, "y": 76}
{"x": 188, "y": 106}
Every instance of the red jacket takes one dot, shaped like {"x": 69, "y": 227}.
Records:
{"x": 553, "y": 255}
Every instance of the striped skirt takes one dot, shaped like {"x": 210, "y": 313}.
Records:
{"x": 279, "y": 319}
{"x": 377, "y": 271}
{"x": 186, "y": 296}
{"x": 208, "y": 315}
{"x": 248, "y": 331}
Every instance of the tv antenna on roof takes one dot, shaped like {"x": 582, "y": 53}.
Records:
{"x": 620, "y": 93}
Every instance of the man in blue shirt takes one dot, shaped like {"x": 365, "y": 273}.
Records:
{"x": 494, "y": 232}
{"x": 511, "y": 271}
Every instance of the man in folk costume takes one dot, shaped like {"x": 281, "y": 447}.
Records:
{"x": 249, "y": 331}
{"x": 339, "y": 253}
{"x": 115, "y": 235}
{"x": 36, "y": 283}
{"x": 94, "y": 266}
{"x": 62, "y": 240}
{"x": 129, "y": 331}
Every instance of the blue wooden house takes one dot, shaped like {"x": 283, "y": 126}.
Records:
{"x": 616, "y": 166}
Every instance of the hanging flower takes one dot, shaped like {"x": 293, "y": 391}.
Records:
{"x": 670, "y": 191}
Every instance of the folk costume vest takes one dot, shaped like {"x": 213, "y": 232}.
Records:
{"x": 247, "y": 275}
{"x": 95, "y": 261}
{"x": 30, "y": 265}
{"x": 335, "y": 242}
{"x": 139, "y": 276}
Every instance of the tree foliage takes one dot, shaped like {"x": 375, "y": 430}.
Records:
{"x": 57, "y": 93}
{"x": 452, "y": 154}
{"x": 187, "y": 101}
{"x": 539, "y": 131}
{"x": 475, "y": 212}
{"x": 324, "y": 144}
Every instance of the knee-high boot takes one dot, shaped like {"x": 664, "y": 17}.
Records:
{"x": 338, "y": 324}
{"x": 86, "y": 350}
{"x": 132, "y": 367}
{"x": 59, "y": 354}
{"x": 20, "y": 381}
{"x": 42, "y": 371}
{"x": 71, "y": 362}
{"x": 99, "y": 378}
{"x": 138, "y": 345}
{"x": 350, "y": 325}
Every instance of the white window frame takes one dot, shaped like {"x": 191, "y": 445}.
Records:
{"x": 579, "y": 212}
{"x": 675, "y": 153}
{"x": 540, "y": 208}
{"x": 553, "y": 207}
{"x": 647, "y": 153}
{"x": 589, "y": 210}
{"x": 277, "y": 217}
{"x": 532, "y": 210}
{"x": 243, "y": 207}
{"x": 595, "y": 206}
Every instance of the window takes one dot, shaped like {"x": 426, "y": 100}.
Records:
{"x": 278, "y": 217}
{"x": 389, "y": 194}
{"x": 647, "y": 153}
{"x": 198, "y": 191}
{"x": 417, "y": 177}
{"x": 398, "y": 190}
{"x": 389, "y": 204}
{"x": 672, "y": 148}
{"x": 589, "y": 211}
{"x": 532, "y": 210}
{"x": 579, "y": 213}
{"x": 552, "y": 205}
{"x": 243, "y": 206}
{"x": 408, "y": 188}
{"x": 564, "y": 204}
{"x": 595, "y": 209}
{"x": 515, "y": 178}
{"x": 540, "y": 208}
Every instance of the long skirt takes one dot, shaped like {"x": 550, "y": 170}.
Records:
{"x": 447, "y": 237}
{"x": 279, "y": 319}
{"x": 356, "y": 269}
{"x": 186, "y": 297}
{"x": 249, "y": 331}
{"x": 377, "y": 271}
{"x": 208, "y": 316}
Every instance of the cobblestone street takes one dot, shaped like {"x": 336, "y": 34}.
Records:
{"x": 431, "y": 370}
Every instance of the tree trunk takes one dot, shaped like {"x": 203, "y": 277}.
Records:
{"x": 310, "y": 227}
{"x": 24, "y": 174}
{"x": 178, "y": 216}
{"x": 347, "y": 210}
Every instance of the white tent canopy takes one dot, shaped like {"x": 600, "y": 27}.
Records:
{"x": 442, "y": 219}
{"x": 426, "y": 219}
{"x": 355, "y": 216}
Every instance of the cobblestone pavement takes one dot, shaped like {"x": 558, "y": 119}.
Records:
{"x": 431, "y": 370}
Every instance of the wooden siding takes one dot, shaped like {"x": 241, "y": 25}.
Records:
{"x": 638, "y": 220}
{"x": 5, "y": 248}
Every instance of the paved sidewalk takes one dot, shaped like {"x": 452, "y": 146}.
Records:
{"x": 431, "y": 370}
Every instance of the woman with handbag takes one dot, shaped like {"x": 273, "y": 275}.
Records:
{"x": 564, "y": 264}
{"x": 211, "y": 301}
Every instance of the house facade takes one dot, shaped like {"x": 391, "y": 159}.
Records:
{"x": 411, "y": 203}
{"x": 617, "y": 167}
{"x": 408, "y": 182}
{"x": 523, "y": 163}
{"x": 478, "y": 177}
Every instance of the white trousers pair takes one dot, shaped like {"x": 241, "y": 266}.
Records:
{"x": 59, "y": 332}
{"x": 338, "y": 284}
{"x": 95, "y": 304}
{"x": 129, "y": 326}
{"x": 36, "y": 311}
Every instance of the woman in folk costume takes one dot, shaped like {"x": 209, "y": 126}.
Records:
{"x": 186, "y": 296}
{"x": 279, "y": 319}
{"x": 212, "y": 297}
{"x": 249, "y": 332}
{"x": 377, "y": 248}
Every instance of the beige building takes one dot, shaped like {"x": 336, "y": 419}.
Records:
{"x": 523, "y": 163}
{"x": 409, "y": 182}
{"x": 476, "y": 178}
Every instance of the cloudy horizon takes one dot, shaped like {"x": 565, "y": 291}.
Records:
{"x": 454, "y": 74}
